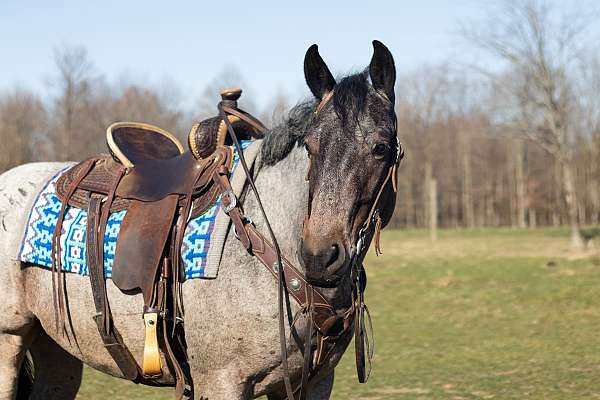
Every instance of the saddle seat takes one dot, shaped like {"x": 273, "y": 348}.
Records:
{"x": 132, "y": 142}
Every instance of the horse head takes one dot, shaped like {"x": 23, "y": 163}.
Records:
{"x": 353, "y": 150}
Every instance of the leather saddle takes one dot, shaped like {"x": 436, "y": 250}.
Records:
{"x": 161, "y": 187}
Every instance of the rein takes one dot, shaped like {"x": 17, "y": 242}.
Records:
{"x": 320, "y": 315}
{"x": 282, "y": 297}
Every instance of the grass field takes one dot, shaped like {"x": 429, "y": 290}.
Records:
{"x": 480, "y": 314}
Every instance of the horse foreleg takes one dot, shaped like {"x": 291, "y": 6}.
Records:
{"x": 57, "y": 373}
{"x": 322, "y": 389}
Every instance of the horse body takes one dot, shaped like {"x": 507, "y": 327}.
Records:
{"x": 325, "y": 203}
{"x": 230, "y": 322}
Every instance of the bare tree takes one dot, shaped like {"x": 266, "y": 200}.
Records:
{"x": 422, "y": 101}
{"x": 22, "y": 124}
{"x": 480, "y": 152}
{"x": 541, "y": 44}
{"x": 276, "y": 110}
{"x": 143, "y": 104}
{"x": 229, "y": 77}
{"x": 463, "y": 97}
{"x": 588, "y": 124}
{"x": 75, "y": 129}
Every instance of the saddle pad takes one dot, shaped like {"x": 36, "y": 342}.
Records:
{"x": 36, "y": 245}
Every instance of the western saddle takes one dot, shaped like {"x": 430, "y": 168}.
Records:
{"x": 161, "y": 187}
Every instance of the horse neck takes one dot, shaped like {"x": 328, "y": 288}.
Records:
{"x": 284, "y": 195}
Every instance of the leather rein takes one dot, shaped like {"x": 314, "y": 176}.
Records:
{"x": 321, "y": 317}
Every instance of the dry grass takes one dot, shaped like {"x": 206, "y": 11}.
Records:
{"x": 478, "y": 243}
{"x": 480, "y": 314}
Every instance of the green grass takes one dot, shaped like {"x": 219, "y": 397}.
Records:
{"x": 479, "y": 314}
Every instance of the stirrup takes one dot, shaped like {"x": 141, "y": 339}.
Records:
{"x": 151, "y": 366}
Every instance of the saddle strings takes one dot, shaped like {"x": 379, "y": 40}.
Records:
{"x": 58, "y": 280}
{"x": 283, "y": 297}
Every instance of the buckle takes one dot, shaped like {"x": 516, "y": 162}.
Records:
{"x": 232, "y": 201}
{"x": 360, "y": 242}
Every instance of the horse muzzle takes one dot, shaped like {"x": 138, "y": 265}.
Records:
{"x": 325, "y": 262}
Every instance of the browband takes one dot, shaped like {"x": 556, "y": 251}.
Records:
{"x": 324, "y": 101}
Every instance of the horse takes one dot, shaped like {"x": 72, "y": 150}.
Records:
{"x": 318, "y": 174}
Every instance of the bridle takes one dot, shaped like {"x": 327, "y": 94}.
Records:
{"x": 321, "y": 317}
{"x": 364, "y": 348}
{"x": 374, "y": 215}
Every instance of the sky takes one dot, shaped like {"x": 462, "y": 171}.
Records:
{"x": 189, "y": 42}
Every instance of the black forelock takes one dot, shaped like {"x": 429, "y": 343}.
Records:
{"x": 350, "y": 96}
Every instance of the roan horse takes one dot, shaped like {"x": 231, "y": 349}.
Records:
{"x": 344, "y": 152}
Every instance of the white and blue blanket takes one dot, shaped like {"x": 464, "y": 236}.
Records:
{"x": 36, "y": 246}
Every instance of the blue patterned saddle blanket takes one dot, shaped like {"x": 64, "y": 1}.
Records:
{"x": 36, "y": 245}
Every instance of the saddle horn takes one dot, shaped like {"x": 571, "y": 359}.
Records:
{"x": 206, "y": 136}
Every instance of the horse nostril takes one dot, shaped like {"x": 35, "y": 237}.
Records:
{"x": 334, "y": 254}
{"x": 323, "y": 264}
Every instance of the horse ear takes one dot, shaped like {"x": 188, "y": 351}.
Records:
{"x": 383, "y": 70}
{"x": 317, "y": 75}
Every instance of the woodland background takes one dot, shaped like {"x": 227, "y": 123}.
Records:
{"x": 512, "y": 142}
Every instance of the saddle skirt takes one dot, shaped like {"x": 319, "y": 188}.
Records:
{"x": 201, "y": 248}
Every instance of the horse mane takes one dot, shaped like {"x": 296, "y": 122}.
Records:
{"x": 349, "y": 100}
{"x": 280, "y": 140}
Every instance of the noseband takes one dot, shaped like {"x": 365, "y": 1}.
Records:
{"x": 328, "y": 326}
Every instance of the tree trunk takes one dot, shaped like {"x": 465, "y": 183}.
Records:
{"x": 532, "y": 218}
{"x": 557, "y": 195}
{"x": 433, "y": 209}
{"x": 593, "y": 186}
{"x": 67, "y": 123}
{"x": 519, "y": 184}
{"x": 510, "y": 192}
{"x": 571, "y": 203}
{"x": 467, "y": 183}
{"x": 499, "y": 199}
{"x": 454, "y": 209}
{"x": 595, "y": 203}
{"x": 489, "y": 206}
{"x": 427, "y": 194}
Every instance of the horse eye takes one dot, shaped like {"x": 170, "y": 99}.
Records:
{"x": 379, "y": 150}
